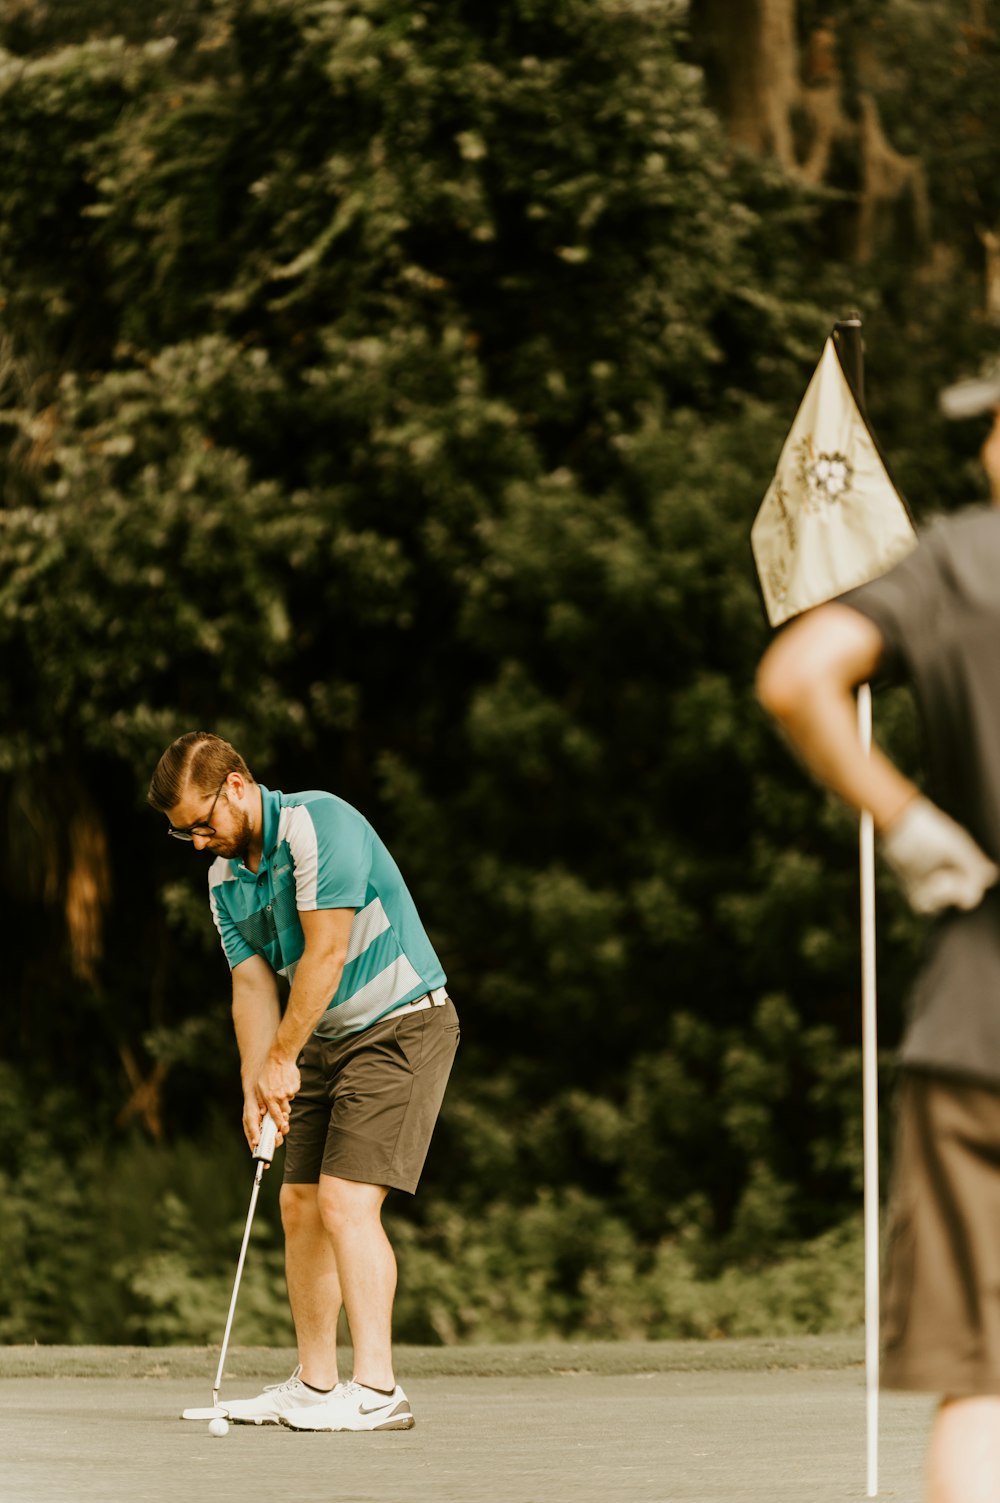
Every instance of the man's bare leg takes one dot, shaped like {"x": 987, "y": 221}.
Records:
{"x": 352, "y": 1215}
{"x": 313, "y": 1284}
{"x": 963, "y": 1460}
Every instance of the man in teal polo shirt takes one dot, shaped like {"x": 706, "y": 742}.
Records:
{"x": 353, "y": 1072}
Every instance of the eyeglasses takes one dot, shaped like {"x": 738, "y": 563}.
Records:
{"x": 203, "y": 827}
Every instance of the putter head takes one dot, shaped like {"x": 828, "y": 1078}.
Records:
{"x": 208, "y": 1412}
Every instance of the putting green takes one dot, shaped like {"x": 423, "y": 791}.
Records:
{"x": 715, "y": 1422}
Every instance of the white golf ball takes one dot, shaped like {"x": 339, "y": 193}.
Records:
{"x": 218, "y": 1426}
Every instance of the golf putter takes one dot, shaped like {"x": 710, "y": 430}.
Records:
{"x": 263, "y": 1154}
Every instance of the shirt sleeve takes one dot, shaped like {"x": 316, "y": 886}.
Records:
{"x": 331, "y": 846}
{"x": 234, "y": 945}
{"x": 903, "y": 604}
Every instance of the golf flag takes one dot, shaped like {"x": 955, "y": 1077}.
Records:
{"x": 832, "y": 519}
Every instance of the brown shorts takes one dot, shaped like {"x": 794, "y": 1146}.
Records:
{"x": 368, "y": 1103}
{"x": 941, "y": 1296}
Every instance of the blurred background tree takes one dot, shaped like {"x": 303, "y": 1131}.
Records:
{"x": 391, "y": 388}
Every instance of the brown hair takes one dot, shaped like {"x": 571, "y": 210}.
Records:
{"x": 199, "y": 760}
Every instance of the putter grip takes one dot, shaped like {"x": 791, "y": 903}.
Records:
{"x": 265, "y": 1143}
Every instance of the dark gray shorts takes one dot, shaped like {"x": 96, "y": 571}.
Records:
{"x": 368, "y": 1103}
{"x": 941, "y": 1295}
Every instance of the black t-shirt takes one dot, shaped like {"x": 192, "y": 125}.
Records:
{"x": 938, "y": 612}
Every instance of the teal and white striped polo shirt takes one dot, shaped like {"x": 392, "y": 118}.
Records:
{"x": 321, "y": 853}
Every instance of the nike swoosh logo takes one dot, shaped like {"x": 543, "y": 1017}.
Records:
{"x": 376, "y": 1408}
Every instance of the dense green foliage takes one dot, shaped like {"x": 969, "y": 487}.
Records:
{"x": 390, "y": 388}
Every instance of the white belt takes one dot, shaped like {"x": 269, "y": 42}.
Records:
{"x": 436, "y": 998}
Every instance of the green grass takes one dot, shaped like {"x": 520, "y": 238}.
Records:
{"x": 603, "y": 1359}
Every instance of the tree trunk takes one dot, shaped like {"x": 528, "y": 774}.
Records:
{"x": 750, "y": 56}
{"x": 779, "y": 100}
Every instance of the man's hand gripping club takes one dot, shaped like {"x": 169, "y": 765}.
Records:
{"x": 270, "y": 1044}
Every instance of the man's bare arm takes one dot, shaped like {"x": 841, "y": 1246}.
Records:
{"x": 806, "y": 681}
{"x": 327, "y": 932}
{"x": 256, "y": 1015}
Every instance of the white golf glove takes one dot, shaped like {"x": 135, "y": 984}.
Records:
{"x": 936, "y": 860}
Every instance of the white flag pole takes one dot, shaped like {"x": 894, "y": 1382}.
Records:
{"x": 833, "y": 519}
{"x": 847, "y": 335}
{"x": 869, "y": 1054}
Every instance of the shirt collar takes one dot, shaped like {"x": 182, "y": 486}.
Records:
{"x": 270, "y": 804}
{"x": 270, "y": 807}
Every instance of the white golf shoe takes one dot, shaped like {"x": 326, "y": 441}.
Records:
{"x": 352, "y": 1406}
{"x": 277, "y": 1400}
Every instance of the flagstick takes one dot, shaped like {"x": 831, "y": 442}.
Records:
{"x": 847, "y": 334}
{"x": 869, "y": 1049}
{"x": 828, "y": 416}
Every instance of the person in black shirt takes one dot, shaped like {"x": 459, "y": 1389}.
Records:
{"x": 933, "y": 622}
